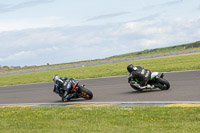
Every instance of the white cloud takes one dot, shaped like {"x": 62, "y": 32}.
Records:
{"x": 20, "y": 5}
{"x": 30, "y": 23}
{"x": 66, "y": 44}
{"x": 22, "y": 55}
{"x": 108, "y": 16}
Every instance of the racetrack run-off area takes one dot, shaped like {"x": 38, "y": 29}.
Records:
{"x": 185, "y": 86}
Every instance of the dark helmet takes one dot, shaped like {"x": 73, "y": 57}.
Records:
{"x": 130, "y": 68}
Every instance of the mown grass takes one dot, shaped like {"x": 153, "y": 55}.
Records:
{"x": 100, "y": 119}
{"x": 183, "y": 47}
{"x": 161, "y": 64}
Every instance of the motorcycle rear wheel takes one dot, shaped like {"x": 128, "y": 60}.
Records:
{"x": 163, "y": 84}
{"x": 85, "y": 93}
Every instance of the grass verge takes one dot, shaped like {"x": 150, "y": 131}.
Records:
{"x": 176, "y": 48}
{"x": 100, "y": 119}
{"x": 161, "y": 64}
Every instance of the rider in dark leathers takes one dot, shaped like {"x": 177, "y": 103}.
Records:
{"x": 141, "y": 75}
{"x": 59, "y": 83}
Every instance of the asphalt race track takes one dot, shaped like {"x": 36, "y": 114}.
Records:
{"x": 185, "y": 86}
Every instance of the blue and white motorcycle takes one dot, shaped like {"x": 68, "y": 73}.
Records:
{"x": 78, "y": 91}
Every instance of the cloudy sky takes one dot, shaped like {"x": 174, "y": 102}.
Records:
{"x": 37, "y": 32}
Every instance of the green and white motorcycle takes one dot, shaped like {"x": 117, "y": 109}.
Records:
{"x": 156, "y": 81}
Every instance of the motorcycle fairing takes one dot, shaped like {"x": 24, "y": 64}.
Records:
{"x": 153, "y": 75}
{"x": 67, "y": 86}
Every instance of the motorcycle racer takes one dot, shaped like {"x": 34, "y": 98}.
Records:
{"x": 59, "y": 83}
{"x": 141, "y": 75}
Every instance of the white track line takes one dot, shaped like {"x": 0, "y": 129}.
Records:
{"x": 119, "y": 102}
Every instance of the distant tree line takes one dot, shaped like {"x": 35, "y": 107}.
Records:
{"x": 14, "y": 67}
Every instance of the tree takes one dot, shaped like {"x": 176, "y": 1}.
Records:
{"x": 5, "y": 67}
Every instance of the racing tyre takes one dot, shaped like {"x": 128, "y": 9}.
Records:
{"x": 85, "y": 93}
{"x": 163, "y": 84}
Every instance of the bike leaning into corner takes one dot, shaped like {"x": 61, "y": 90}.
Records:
{"x": 69, "y": 89}
{"x": 141, "y": 79}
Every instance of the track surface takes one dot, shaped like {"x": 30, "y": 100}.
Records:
{"x": 185, "y": 86}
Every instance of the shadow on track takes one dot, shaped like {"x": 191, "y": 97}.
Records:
{"x": 72, "y": 100}
{"x": 140, "y": 92}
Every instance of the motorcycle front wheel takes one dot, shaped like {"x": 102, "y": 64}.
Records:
{"x": 85, "y": 93}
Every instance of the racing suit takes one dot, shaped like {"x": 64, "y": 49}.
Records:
{"x": 58, "y": 88}
{"x": 59, "y": 84}
{"x": 141, "y": 76}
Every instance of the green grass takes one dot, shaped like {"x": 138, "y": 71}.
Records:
{"x": 162, "y": 64}
{"x": 100, "y": 119}
{"x": 189, "y": 46}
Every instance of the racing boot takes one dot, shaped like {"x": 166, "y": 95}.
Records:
{"x": 67, "y": 97}
{"x": 132, "y": 82}
{"x": 143, "y": 87}
{"x": 150, "y": 86}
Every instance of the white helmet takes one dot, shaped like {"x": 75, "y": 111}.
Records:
{"x": 55, "y": 78}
